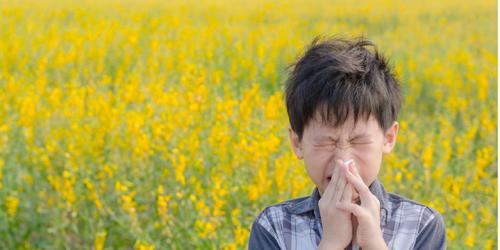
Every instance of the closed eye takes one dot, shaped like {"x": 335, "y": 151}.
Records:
{"x": 360, "y": 142}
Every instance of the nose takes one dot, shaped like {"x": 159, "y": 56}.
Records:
{"x": 342, "y": 154}
{"x": 340, "y": 161}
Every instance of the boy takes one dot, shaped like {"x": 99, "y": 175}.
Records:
{"x": 342, "y": 102}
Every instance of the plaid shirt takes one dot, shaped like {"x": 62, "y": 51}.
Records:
{"x": 296, "y": 224}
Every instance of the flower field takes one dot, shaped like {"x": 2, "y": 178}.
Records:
{"x": 162, "y": 124}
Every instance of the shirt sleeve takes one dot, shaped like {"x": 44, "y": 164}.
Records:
{"x": 433, "y": 235}
{"x": 261, "y": 239}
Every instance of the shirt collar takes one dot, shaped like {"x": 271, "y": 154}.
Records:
{"x": 311, "y": 203}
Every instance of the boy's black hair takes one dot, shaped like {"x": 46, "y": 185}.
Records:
{"x": 338, "y": 76}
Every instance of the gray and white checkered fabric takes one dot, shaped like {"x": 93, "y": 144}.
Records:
{"x": 296, "y": 223}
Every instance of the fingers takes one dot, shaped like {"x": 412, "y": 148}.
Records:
{"x": 358, "y": 184}
{"x": 356, "y": 173}
{"x": 353, "y": 208}
{"x": 354, "y": 170}
{"x": 341, "y": 182}
{"x": 347, "y": 196}
{"x": 327, "y": 195}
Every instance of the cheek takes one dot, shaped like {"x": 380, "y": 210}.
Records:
{"x": 368, "y": 163}
{"x": 316, "y": 162}
{"x": 369, "y": 172}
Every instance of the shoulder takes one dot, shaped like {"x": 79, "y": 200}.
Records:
{"x": 412, "y": 209}
{"x": 276, "y": 213}
{"x": 426, "y": 223}
{"x": 269, "y": 226}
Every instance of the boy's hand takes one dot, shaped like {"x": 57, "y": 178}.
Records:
{"x": 337, "y": 227}
{"x": 368, "y": 233}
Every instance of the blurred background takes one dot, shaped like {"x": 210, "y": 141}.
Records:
{"x": 162, "y": 125}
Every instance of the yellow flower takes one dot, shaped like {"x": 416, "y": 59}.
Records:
{"x": 162, "y": 205}
{"x": 398, "y": 177}
{"x": 469, "y": 240}
{"x": 241, "y": 235}
{"x": 12, "y": 203}
{"x": 427, "y": 156}
{"x": 489, "y": 243}
{"x": 205, "y": 229}
{"x": 1, "y": 173}
{"x": 100, "y": 239}
{"x": 450, "y": 233}
{"x": 140, "y": 245}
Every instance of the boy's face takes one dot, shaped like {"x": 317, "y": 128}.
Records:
{"x": 322, "y": 145}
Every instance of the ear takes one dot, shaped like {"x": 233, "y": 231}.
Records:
{"x": 390, "y": 138}
{"x": 296, "y": 144}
